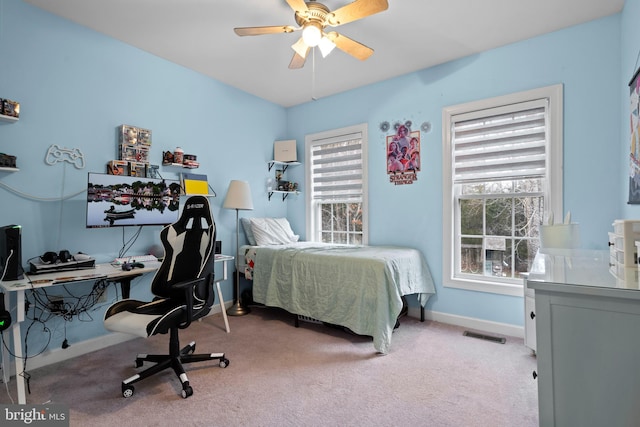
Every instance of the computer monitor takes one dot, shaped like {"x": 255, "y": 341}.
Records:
{"x": 120, "y": 201}
{"x": 11, "y": 253}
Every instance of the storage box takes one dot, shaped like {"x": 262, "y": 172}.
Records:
{"x": 118, "y": 167}
{"x": 285, "y": 151}
{"x": 138, "y": 169}
{"x": 560, "y": 236}
{"x": 9, "y": 108}
{"x": 626, "y": 232}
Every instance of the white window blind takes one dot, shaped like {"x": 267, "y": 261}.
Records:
{"x": 336, "y": 168}
{"x": 500, "y": 143}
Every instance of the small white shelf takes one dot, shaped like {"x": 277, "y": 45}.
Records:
{"x": 180, "y": 165}
{"x": 284, "y": 165}
{"x": 203, "y": 195}
{"x": 4, "y": 118}
{"x": 5, "y": 169}
{"x": 285, "y": 194}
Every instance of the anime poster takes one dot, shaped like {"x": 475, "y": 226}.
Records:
{"x": 403, "y": 155}
{"x": 634, "y": 155}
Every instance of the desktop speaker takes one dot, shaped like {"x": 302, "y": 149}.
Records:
{"x": 11, "y": 253}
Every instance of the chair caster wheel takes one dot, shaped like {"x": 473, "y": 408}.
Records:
{"x": 187, "y": 391}
{"x": 224, "y": 363}
{"x": 127, "y": 391}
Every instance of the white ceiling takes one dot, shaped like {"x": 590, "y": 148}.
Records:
{"x": 411, "y": 35}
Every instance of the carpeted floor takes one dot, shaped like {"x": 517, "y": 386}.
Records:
{"x": 314, "y": 375}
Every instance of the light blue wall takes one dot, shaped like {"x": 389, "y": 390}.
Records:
{"x": 585, "y": 58}
{"x": 75, "y": 87}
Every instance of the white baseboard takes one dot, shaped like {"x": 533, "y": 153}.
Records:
{"x": 470, "y": 322}
{"x": 50, "y": 357}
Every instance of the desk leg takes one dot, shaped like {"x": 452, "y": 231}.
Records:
{"x": 125, "y": 286}
{"x": 17, "y": 349}
{"x": 222, "y": 307}
{"x": 6, "y": 362}
{"x": 224, "y": 311}
{"x": 19, "y": 361}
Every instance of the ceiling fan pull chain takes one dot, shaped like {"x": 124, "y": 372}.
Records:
{"x": 313, "y": 74}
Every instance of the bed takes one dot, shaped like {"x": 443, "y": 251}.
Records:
{"x": 357, "y": 287}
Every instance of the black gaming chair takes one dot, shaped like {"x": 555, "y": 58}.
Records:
{"x": 183, "y": 286}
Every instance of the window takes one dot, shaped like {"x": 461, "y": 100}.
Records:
{"x": 502, "y": 166}
{"x": 336, "y": 186}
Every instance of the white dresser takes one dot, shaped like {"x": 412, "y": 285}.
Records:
{"x": 587, "y": 341}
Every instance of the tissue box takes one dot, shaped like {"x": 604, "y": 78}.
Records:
{"x": 560, "y": 236}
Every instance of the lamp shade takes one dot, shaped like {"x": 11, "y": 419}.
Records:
{"x": 238, "y": 196}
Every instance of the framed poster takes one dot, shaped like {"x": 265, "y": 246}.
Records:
{"x": 634, "y": 146}
{"x": 403, "y": 155}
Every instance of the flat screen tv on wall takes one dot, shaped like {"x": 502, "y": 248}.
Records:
{"x": 121, "y": 201}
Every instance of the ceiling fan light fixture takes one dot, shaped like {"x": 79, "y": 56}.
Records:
{"x": 326, "y": 46}
{"x": 312, "y": 34}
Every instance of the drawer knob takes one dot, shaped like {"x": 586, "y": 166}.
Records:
{"x": 611, "y": 243}
{"x": 535, "y": 375}
{"x": 532, "y": 315}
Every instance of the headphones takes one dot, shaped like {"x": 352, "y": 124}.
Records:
{"x": 54, "y": 258}
{"x": 5, "y": 316}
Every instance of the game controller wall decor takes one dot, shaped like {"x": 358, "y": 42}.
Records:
{"x": 57, "y": 154}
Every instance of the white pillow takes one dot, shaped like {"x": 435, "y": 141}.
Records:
{"x": 248, "y": 232}
{"x": 272, "y": 231}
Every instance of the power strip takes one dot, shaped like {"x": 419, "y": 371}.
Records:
{"x": 55, "y": 304}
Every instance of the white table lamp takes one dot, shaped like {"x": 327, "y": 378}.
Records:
{"x": 238, "y": 198}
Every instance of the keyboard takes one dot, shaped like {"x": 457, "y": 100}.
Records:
{"x": 135, "y": 258}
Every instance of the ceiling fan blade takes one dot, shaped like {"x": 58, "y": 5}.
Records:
{"x": 350, "y": 46}
{"x": 356, "y": 10}
{"x": 297, "y": 61}
{"x": 301, "y": 48}
{"x": 257, "y": 31}
{"x": 298, "y": 5}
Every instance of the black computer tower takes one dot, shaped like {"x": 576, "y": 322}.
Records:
{"x": 11, "y": 253}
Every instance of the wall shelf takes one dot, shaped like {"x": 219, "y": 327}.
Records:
{"x": 180, "y": 165}
{"x": 284, "y": 165}
{"x": 10, "y": 119}
{"x": 285, "y": 194}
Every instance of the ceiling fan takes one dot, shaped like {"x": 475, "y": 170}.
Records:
{"x": 312, "y": 18}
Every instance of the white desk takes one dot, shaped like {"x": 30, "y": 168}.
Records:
{"x": 112, "y": 273}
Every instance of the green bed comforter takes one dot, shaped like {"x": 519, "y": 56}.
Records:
{"x": 358, "y": 287}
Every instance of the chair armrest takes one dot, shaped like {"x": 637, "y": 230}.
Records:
{"x": 188, "y": 286}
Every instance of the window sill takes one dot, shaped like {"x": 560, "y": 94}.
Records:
{"x": 516, "y": 290}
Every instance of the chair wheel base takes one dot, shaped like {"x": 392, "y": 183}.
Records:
{"x": 127, "y": 390}
{"x": 187, "y": 391}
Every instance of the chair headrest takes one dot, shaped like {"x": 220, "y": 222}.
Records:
{"x": 196, "y": 208}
